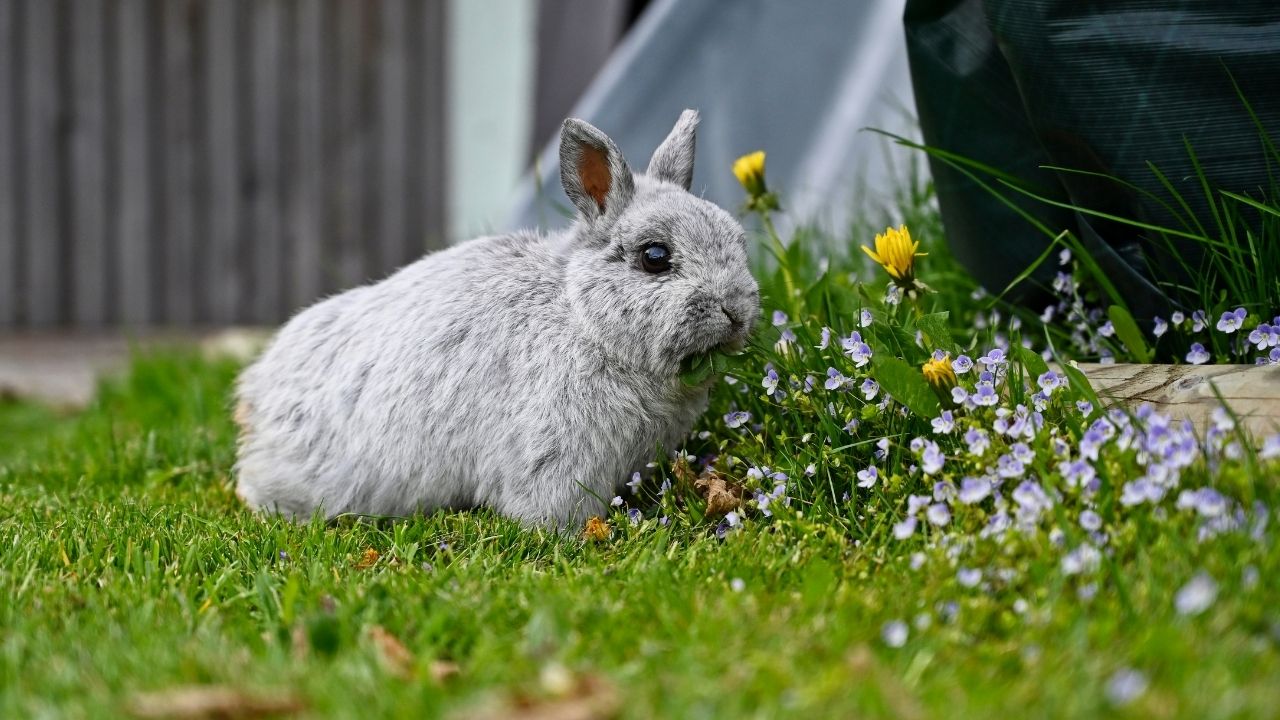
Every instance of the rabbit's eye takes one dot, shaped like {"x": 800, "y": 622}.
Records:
{"x": 655, "y": 258}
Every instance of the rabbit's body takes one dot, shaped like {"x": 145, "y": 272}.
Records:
{"x": 527, "y": 373}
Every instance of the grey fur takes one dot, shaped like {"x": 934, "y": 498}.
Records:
{"x": 527, "y": 373}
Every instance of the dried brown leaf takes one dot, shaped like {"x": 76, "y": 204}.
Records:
{"x": 212, "y": 701}
{"x": 596, "y": 529}
{"x": 394, "y": 656}
{"x": 300, "y": 643}
{"x": 368, "y": 559}
{"x": 589, "y": 698}
{"x": 442, "y": 670}
{"x": 683, "y": 472}
{"x": 721, "y": 493}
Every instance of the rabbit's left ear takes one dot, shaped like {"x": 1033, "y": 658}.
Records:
{"x": 595, "y": 175}
{"x": 673, "y": 160}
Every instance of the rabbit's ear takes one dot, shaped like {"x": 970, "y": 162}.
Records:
{"x": 673, "y": 160}
{"x": 594, "y": 173}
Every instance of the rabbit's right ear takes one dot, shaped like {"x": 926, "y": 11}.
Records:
{"x": 673, "y": 160}
{"x": 595, "y": 175}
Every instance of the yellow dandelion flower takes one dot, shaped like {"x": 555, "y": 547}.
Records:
{"x": 939, "y": 374}
{"x": 896, "y": 253}
{"x": 749, "y": 169}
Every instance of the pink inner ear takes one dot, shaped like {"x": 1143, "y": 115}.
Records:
{"x": 593, "y": 169}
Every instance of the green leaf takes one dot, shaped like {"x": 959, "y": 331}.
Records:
{"x": 1032, "y": 361}
{"x": 906, "y": 384}
{"x": 1081, "y": 385}
{"x": 1129, "y": 334}
{"x": 937, "y": 328}
{"x": 696, "y": 369}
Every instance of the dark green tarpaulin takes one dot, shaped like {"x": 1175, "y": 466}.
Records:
{"x": 1099, "y": 86}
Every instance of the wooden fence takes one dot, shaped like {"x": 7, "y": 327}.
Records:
{"x": 187, "y": 162}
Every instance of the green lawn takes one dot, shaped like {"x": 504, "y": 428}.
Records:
{"x": 128, "y": 566}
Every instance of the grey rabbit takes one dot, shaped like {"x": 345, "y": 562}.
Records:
{"x": 529, "y": 373}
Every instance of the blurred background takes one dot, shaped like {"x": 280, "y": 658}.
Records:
{"x": 188, "y": 164}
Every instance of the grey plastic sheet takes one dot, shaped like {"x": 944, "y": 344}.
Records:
{"x": 798, "y": 79}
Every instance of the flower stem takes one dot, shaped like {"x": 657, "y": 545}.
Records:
{"x": 779, "y": 250}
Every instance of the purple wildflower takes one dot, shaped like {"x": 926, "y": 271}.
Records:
{"x": 1093, "y": 439}
{"x": 634, "y": 483}
{"x": 1008, "y": 466}
{"x": 1197, "y": 355}
{"x": 870, "y": 388}
{"x": 864, "y": 318}
{"x": 1142, "y": 490}
{"x": 1265, "y": 336}
{"x": 974, "y": 490}
{"x": 932, "y": 459}
{"x": 1076, "y": 473}
{"x": 1063, "y": 283}
{"x": 905, "y": 529}
{"x": 1197, "y": 595}
{"x": 867, "y": 478}
{"x": 1030, "y": 496}
{"x": 993, "y": 360}
{"x": 857, "y": 350}
{"x": 962, "y": 364}
{"x": 1232, "y": 320}
{"x": 938, "y": 514}
{"x": 1084, "y": 559}
{"x": 978, "y": 441}
{"x": 737, "y": 418}
{"x": 835, "y": 380}
{"x": 944, "y": 423}
{"x": 770, "y": 382}
{"x": 894, "y": 633}
{"x": 779, "y": 318}
{"x": 1049, "y": 382}
{"x": 944, "y": 491}
{"x": 969, "y": 577}
{"x": 915, "y": 503}
{"x": 635, "y": 516}
{"x": 1161, "y": 327}
{"x": 985, "y": 395}
{"x": 1206, "y": 501}
{"x": 1270, "y": 448}
{"x": 826, "y": 338}
{"x": 1125, "y": 686}
{"x": 1090, "y": 520}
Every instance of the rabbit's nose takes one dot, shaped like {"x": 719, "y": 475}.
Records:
{"x": 733, "y": 319}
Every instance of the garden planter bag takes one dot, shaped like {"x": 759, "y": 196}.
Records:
{"x": 1104, "y": 87}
